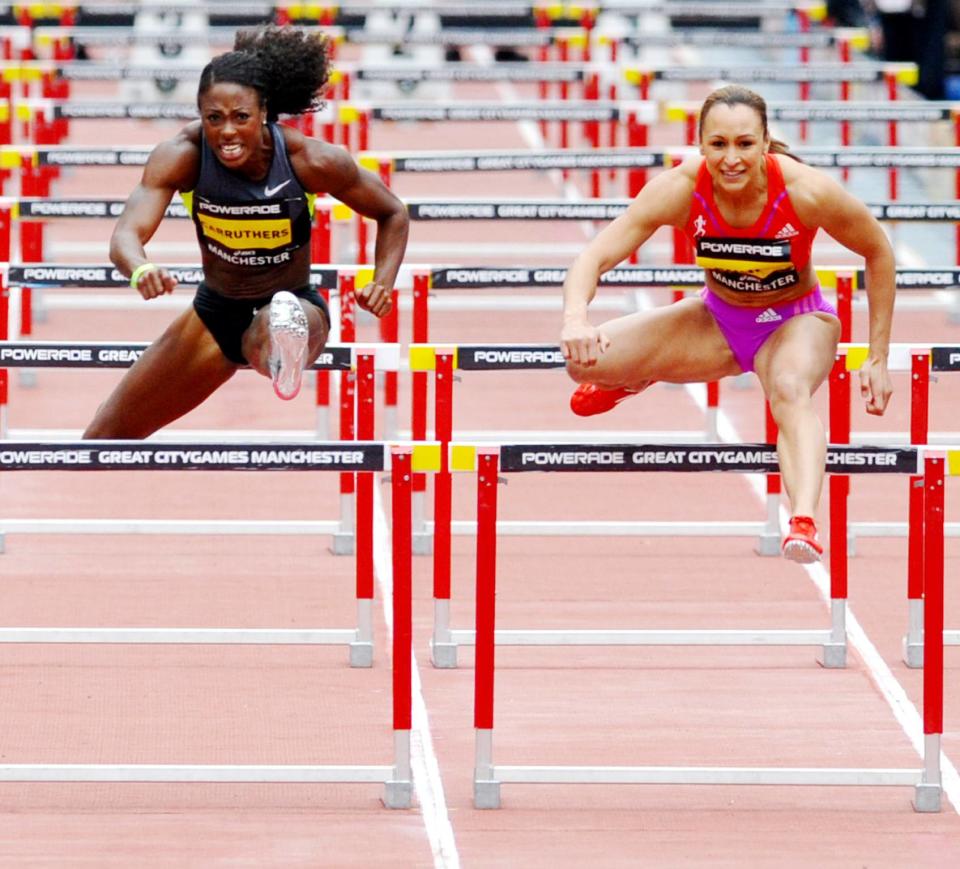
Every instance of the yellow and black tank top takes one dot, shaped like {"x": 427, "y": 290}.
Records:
{"x": 251, "y": 230}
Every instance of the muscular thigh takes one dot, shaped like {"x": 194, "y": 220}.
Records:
{"x": 802, "y": 349}
{"x": 679, "y": 343}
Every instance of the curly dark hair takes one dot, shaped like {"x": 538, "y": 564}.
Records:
{"x": 288, "y": 67}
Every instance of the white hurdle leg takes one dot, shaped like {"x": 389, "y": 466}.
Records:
{"x": 835, "y": 649}
{"x": 486, "y": 789}
{"x": 443, "y": 649}
{"x": 913, "y": 641}
{"x": 928, "y": 792}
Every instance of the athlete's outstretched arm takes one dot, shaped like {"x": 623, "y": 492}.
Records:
{"x": 664, "y": 201}
{"x": 164, "y": 173}
{"x": 849, "y": 221}
{"x": 330, "y": 169}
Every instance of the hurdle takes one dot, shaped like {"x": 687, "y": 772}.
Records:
{"x": 363, "y": 458}
{"x": 350, "y": 534}
{"x": 488, "y": 461}
{"x": 445, "y": 640}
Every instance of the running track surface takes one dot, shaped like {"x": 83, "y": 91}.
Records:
{"x": 596, "y": 706}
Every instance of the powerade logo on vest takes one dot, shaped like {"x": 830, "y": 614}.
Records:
{"x": 748, "y": 265}
{"x": 256, "y": 233}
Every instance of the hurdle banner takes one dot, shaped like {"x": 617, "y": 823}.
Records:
{"x": 861, "y": 73}
{"x": 488, "y": 777}
{"x": 82, "y": 275}
{"x": 477, "y": 277}
{"x": 91, "y": 455}
{"x": 419, "y": 208}
{"x": 137, "y": 455}
{"x": 424, "y": 209}
{"x": 836, "y": 110}
{"x": 122, "y": 354}
{"x": 945, "y": 359}
{"x": 742, "y": 458}
{"x": 877, "y": 157}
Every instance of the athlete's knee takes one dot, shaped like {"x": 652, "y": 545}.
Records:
{"x": 787, "y": 390}
{"x": 586, "y": 373}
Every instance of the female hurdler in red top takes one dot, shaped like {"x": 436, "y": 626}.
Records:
{"x": 751, "y": 211}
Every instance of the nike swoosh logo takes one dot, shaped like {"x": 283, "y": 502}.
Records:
{"x": 269, "y": 191}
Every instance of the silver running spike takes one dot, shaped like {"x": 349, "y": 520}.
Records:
{"x": 288, "y": 344}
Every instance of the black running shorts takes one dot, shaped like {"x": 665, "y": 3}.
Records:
{"x": 227, "y": 319}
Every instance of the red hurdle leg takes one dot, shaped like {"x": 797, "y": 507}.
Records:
{"x": 835, "y": 651}
{"x": 928, "y": 792}
{"x": 343, "y": 540}
{"x": 399, "y": 791}
{"x": 421, "y": 287}
{"x": 919, "y": 419}
{"x": 361, "y": 650}
{"x": 443, "y": 651}
{"x": 486, "y": 791}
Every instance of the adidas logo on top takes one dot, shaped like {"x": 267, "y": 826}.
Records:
{"x": 768, "y": 316}
{"x": 787, "y": 231}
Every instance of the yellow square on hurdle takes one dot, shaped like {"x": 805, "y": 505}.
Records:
{"x": 363, "y": 277}
{"x": 426, "y": 457}
{"x": 856, "y": 356}
{"x": 463, "y": 457}
{"x": 423, "y": 358}
{"x": 953, "y": 463}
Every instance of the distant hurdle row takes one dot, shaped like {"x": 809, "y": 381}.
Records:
{"x": 45, "y": 122}
{"x": 521, "y": 14}
{"x": 614, "y": 81}
{"x": 491, "y": 460}
{"x": 363, "y": 459}
{"x": 552, "y": 32}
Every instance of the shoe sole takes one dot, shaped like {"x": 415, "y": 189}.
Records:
{"x": 800, "y": 552}
{"x": 289, "y": 333}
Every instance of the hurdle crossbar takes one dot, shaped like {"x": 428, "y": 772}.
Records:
{"x": 489, "y": 461}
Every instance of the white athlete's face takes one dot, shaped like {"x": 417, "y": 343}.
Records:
{"x": 733, "y": 144}
{"x": 233, "y": 123}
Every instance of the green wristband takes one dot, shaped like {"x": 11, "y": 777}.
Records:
{"x": 139, "y": 272}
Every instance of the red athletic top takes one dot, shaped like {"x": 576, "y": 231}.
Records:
{"x": 766, "y": 257}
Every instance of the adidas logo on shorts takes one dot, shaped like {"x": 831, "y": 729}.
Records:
{"x": 768, "y": 316}
{"x": 787, "y": 231}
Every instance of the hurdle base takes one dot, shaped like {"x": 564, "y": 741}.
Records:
{"x": 398, "y": 794}
{"x": 443, "y": 655}
{"x": 927, "y": 798}
{"x": 3, "y": 543}
{"x": 912, "y": 654}
{"x": 422, "y": 543}
{"x": 361, "y": 654}
{"x": 834, "y": 656}
{"x": 768, "y": 544}
{"x": 342, "y": 543}
{"x": 486, "y": 794}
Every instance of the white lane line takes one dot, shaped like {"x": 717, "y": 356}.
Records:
{"x": 427, "y": 781}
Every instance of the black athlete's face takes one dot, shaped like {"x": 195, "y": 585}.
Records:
{"x": 733, "y": 143}
{"x": 233, "y": 122}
